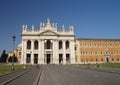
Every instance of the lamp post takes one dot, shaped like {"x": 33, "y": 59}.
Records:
{"x": 13, "y": 38}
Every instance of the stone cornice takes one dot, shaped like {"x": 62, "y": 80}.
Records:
{"x": 48, "y": 35}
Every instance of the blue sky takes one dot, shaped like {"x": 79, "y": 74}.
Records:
{"x": 91, "y": 18}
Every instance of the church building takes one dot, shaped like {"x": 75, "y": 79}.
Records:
{"x": 48, "y": 45}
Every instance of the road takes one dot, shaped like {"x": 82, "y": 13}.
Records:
{"x": 12, "y": 75}
{"x": 68, "y": 75}
{"x": 23, "y": 77}
{"x": 28, "y": 78}
{"x": 62, "y": 75}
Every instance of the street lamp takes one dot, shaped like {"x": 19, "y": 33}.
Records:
{"x": 13, "y": 38}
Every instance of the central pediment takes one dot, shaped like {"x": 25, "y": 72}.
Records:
{"x": 48, "y": 33}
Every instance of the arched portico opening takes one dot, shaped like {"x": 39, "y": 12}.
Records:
{"x": 28, "y": 44}
{"x": 48, "y": 44}
{"x": 48, "y": 51}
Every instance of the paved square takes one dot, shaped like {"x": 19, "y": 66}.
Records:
{"x": 68, "y": 75}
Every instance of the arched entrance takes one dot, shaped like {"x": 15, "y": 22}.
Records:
{"x": 48, "y": 51}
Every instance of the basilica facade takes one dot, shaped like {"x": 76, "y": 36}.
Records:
{"x": 48, "y": 45}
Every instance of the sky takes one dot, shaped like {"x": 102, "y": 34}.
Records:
{"x": 90, "y": 18}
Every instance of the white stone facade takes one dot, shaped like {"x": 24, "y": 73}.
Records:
{"x": 47, "y": 45}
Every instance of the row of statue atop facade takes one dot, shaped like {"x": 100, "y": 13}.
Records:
{"x": 48, "y": 25}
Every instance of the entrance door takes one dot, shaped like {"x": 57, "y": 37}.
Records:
{"x": 67, "y": 58}
{"x": 28, "y": 59}
{"x": 48, "y": 59}
{"x": 35, "y": 58}
{"x": 107, "y": 59}
{"x": 60, "y": 58}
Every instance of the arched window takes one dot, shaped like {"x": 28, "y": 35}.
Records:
{"x": 36, "y": 45}
{"x": 60, "y": 44}
{"x": 28, "y": 44}
{"x": 67, "y": 44}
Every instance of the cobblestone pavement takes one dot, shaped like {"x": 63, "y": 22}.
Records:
{"x": 69, "y": 75}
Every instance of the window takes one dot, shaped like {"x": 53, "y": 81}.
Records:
{"x": 111, "y": 52}
{"x": 95, "y": 52}
{"x": 101, "y": 59}
{"x": 96, "y": 59}
{"x": 90, "y": 43}
{"x": 90, "y": 52}
{"x": 28, "y": 44}
{"x": 67, "y": 44}
{"x": 60, "y": 44}
{"x": 101, "y": 52}
{"x": 105, "y": 45}
{"x": 116, "y": 51}
{"x": 36, "y": 45}
{"x": 82, "y": 60}
{"x": 110, "y": 45}
{"x": 112, "y": 59}
{"x": 106, "y": 52}
{"x": 95, "y": 44}
{"x": 91, "y": 59}
{"x": 81, "y": 52}
{"x": 117, "y": 59}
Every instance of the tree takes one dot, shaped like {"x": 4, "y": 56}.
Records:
{"x": 3, "y": 57}
{"x": 10, "y": 59}
{"x": 14, "y": 59}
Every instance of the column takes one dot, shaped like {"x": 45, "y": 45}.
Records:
{"x": 42, "y": 52}
{"x": 64, "y": 53}
{"x": 32, "y": 55}
{"x": 72, "y": 52}
{"x": 24, "y": 51}
{"x": 22, "y": 54}
{"x": 39, "y": 53}
{"x": 55, "y": 52}
{"x": 23, "y": 57}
